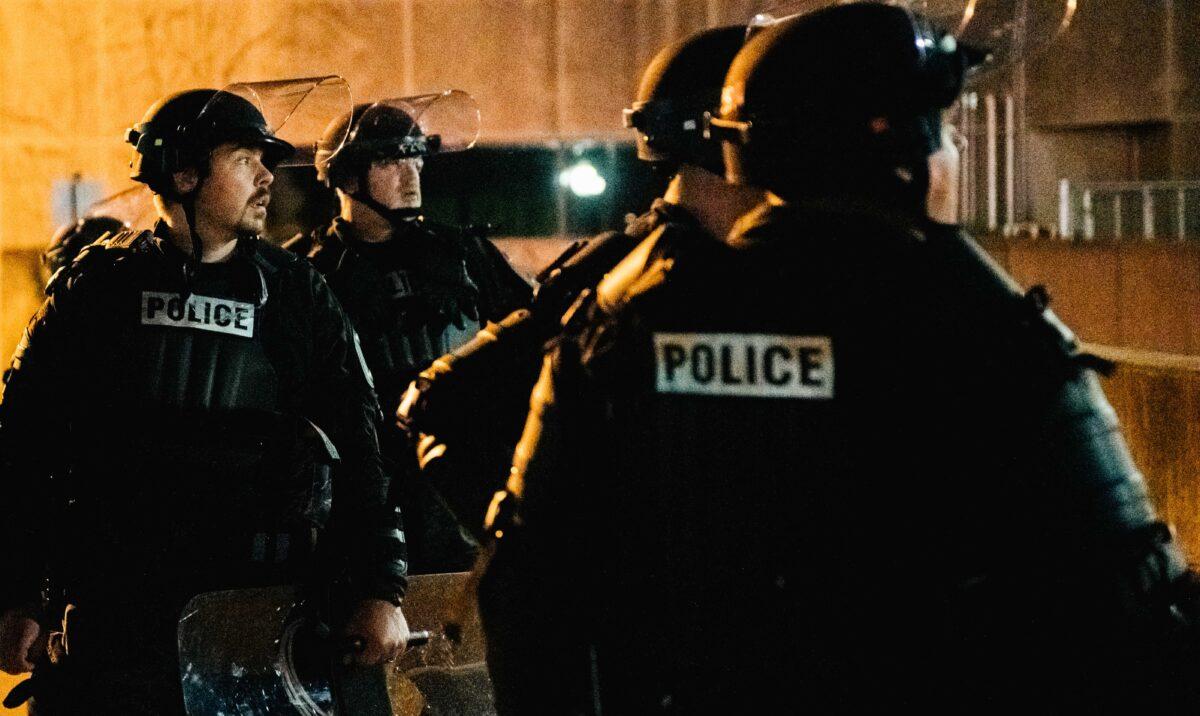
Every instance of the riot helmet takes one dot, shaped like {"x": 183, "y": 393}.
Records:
{"x": 283, "y": 118}
{"x": 679, "y": 86}
{"x": 413, "y": 127}
{"x": 403, "y": 127}
{"x": 180, "y": 130}
{"x": 847, "y": 98}
{"x": 372, "y": 133}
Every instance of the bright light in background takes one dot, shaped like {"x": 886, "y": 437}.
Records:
{"x": 582, "y": 179}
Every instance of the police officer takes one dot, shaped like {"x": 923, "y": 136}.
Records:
{"x": 70, "y": 239}
{"x": 834, "y": 461}
{"x": 203, "y": 381}
{"x": 468, "y": 407}
{"x": 414, "y": 289}
{"x": 679, "y": 86}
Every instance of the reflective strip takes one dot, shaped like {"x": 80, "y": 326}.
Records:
{"x": 744, "y": 364}
{"x": 362, "y": 360}
{"x": 219, "y": 315}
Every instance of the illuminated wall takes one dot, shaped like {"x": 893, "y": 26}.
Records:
{"x": 75, "y": 74}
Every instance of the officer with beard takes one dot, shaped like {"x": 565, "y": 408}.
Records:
{"x": 835, "y": 460}
{"x": 413, "y": 289}
{"x": 202, "y": 379}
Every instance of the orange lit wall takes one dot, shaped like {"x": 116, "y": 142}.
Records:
{"x": 1134, "y": 294}
{"x": 74, "y": 74}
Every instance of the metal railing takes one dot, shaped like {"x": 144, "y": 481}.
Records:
{"x": 1147, "y": 210}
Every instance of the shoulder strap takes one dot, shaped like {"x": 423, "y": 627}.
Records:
{"x": 643, "y": 269}
{"x": 104, "y": 251}
{"x": 990, "y": 292}
{"x": 129, "y": 239}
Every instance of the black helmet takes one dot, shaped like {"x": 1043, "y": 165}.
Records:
{"x": 70, "y": 239}
{"x": 847, "y": 94}
{"x": 180, "y": 130}
{"x": 372, "y": 132}
{"x": 680, "y": 85}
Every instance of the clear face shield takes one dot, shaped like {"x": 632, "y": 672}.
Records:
{"x": 1002, "y": 34}
{"x": 1005, "y": 32}
{"x": 991, "y": 35}
{"x": 418, "y": 126}
{"x": 295, "y": 112}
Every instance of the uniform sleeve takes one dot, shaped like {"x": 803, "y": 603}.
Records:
{"x": 502, "y": 288}
{"x": 365, "y": 536}
{"x": 32, "y": 419}
{"x": 1068, "y": 505}
{"x": 531, "y": 599}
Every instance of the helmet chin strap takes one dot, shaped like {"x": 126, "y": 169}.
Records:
{"x": 192, "y": 265}
{"x": 397, "y": 218}
{"x": 193, "y": 262}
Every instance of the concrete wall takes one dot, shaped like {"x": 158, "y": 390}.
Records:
{"x": 1128, "y": 294}
{"x": 1116, "y": 97}
{"x": 77, "y": 73}
{"x": 1113, "y": 66}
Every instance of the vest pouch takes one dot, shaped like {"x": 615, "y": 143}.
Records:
{"x": 183, "y": 490}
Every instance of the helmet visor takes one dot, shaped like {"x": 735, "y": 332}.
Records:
{"x": 997, "y": 33}
{"x": 133, "y": 206}
{"x": 286, "y": 117}
{"x": 1006, "y": 32}
{"x": 420, "y": 125}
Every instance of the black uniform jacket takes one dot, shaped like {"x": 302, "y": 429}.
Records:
{"x": 426, "y": 290}
{"x": 414, "y": 297}
{"x": 837, "y": 460}
{"x": 151, "y": 427}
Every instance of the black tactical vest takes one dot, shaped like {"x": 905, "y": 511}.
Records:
{"x": 836, "y": 454}
{"x": 184, "y": 425}
{"x": 414, "y": 297}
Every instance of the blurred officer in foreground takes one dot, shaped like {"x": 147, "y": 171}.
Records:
{"x": 70, "y": 239}
{"x": 539, "y": 658}
{"x": 835, "y": 460}
{"x": 413, "y": 289}
{"x": 467, "y": 408}
{"x": 159, "y": 431}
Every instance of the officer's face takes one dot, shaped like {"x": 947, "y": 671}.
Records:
{"x": 236, "y": 192}
{"x": 396, "y": 183}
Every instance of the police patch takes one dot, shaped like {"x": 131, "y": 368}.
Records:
{"x": 220, "y": 315}
{"x": 751, "y": 365}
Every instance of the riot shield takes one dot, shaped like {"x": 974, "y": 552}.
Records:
{"x": 254, "y": 651}
{"x": 265, "y": 651}
{"x": 447, "y": 675}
